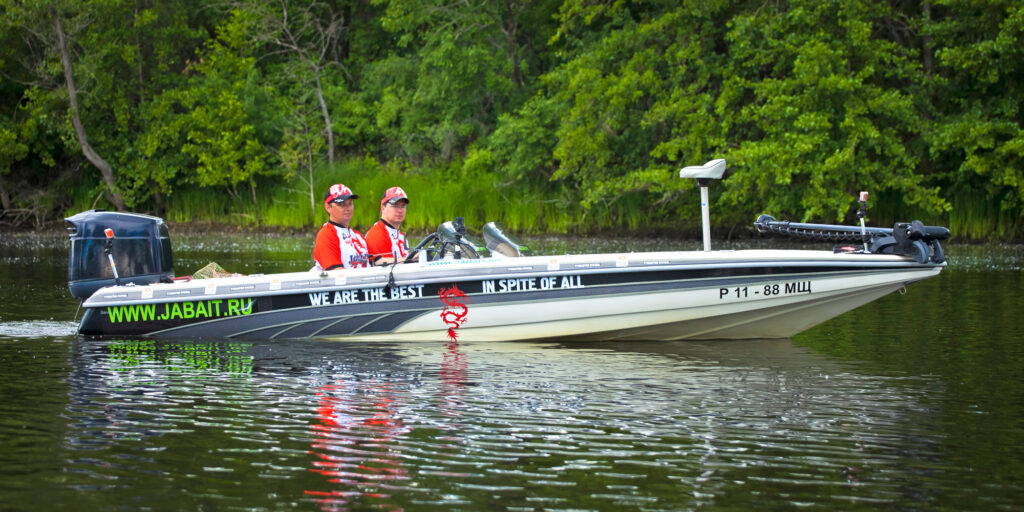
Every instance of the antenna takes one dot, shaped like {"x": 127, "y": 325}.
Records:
{"x": 712, "y": 170}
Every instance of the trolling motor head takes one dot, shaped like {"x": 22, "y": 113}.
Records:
{"x": 912, "y": 239}
{"x": 712, "y": 170}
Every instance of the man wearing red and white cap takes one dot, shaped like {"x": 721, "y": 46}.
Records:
{"x": 386, "y": 244}
{"x": 338, "y": 245}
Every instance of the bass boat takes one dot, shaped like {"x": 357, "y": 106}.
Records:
{"x": 121, "y": 267}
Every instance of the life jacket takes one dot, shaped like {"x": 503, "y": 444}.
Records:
{"x": 339, "y": 247}
{"x": 385, "y": 241}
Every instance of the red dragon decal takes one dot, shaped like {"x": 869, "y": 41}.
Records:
{"x": 454, "y": 312}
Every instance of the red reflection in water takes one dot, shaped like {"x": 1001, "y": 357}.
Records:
{"x": 356, "y": 430}
{"x": 453, "y": 378}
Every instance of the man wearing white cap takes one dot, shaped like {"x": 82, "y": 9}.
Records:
{"x": 338, "y": 245}
{"x": 385, "y": 242}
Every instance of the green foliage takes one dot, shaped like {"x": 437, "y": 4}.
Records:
{"x": 227, "y": 113}
{"x": 521, "y": 148}
{"x": 979, "y": 134}
{"x": 548, "y": 115}
{"x": 455, "y": 67}
{"x": 825, "y": 116}
{"x": 637, "y": 103}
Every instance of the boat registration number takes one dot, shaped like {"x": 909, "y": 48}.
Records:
{"x": 767, "y": 290}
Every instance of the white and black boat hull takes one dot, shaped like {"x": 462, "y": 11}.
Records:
{"x": 637, "y": 296}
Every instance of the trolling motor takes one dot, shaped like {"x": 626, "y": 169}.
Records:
{"x": 904, "y": 238}
{"x": 915, "y": 239}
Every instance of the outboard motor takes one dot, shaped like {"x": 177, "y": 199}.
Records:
{"x": 140, "y": 250}
{"x": 502, "y": 243}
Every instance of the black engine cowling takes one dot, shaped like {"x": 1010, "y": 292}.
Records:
{"x": 141, "y": 248}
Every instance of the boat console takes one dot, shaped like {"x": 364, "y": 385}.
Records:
{"x": 451, "y": 241}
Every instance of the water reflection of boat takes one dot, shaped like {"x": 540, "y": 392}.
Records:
{"x": 348, "y": 438}
{"x": 504, "y": 295}
{"x": 540, "y": 418}
{"x": 453, "y": 375}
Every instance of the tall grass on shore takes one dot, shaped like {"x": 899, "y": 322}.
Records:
{"x": 984, "y": 219}
{"x": 972, "y": 217}
{"x": 436, "y": 196}
{"x": 439, "y": 194}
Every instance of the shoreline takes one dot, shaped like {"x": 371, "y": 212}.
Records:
{"x": 720, "y": 234}
{"x": 201, "y": 228}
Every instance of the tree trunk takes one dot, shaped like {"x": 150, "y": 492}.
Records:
{"x": 158, "y": 204}
{"x": 312, "y": 192}
{"x": 5, "y": 197}
{"x": 256, "y": 203}
{"x": 90, "y": 154}
{"x": 926, "y": 42}
{"x": 345, "y": 37}
{"x": 327, "y": 118}
{"x": 511, "y": 29}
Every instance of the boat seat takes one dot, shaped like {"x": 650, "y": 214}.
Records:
{"x": 712, "y": 170}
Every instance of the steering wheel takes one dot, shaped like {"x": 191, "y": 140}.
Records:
{"x": 437, "y": 248}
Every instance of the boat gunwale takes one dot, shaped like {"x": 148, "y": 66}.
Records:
{"x": 401, "y": 275}
{"x": 518, "y": 298}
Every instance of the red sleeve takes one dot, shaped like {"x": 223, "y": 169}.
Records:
{"x": 327, "y": 249}
{"x": 378, "y": 243}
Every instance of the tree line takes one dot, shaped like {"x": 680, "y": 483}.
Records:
{"x": 128, "y": 104}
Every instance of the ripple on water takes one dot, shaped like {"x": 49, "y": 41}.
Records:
{"x": 517, "y": 426}
{"x": 514, "y": 426}
{"x": 38, "y": 329}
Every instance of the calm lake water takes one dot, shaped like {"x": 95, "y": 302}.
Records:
{"x": 913, "y": 402}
